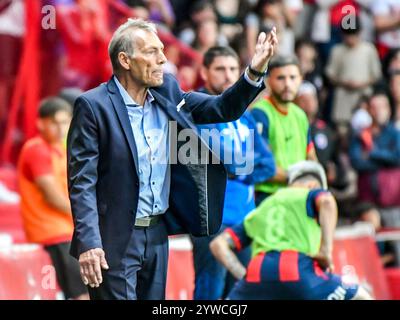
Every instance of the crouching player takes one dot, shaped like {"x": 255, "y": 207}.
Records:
{"x": 291, "y": 235}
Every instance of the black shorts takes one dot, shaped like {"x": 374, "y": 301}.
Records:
{"x": 67, "y": 270}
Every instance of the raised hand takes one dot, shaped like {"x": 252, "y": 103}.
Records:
{"x": 265, "y": 48}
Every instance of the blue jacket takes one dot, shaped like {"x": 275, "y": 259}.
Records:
{"x": 102, "y": 165}
{"x": 249, "y": 162}
{"x": 385, "y": 153}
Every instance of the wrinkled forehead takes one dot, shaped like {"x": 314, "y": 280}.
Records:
{"x": 144, "y": 38}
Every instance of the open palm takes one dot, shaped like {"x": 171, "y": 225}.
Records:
{"x": 265, "y": 48}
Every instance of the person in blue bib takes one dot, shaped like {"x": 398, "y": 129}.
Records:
{"x": 291, "y": 236}
{"x": 247, "y": 160}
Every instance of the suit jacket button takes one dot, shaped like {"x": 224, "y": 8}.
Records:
{"x": 137, "y": 184}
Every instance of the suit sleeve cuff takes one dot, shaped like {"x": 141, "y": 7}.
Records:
{"x": 252, "y": 82}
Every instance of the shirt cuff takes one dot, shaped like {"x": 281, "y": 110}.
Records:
{"x": 252, "y": 82}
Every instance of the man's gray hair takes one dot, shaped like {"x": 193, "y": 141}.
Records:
{"x": 122, "y": 39}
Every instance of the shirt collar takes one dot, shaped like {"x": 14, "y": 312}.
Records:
{"x": 127, "y": 98}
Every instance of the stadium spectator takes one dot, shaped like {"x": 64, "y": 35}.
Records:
{"x": 139, "y": 8}
{"x": 45, "y": 207}
{"x": 323, "y": 33}
{"x": 291, "y": 236}
{"x": 84, "y": 29}
{"x": 387, "y": 24}
{"x": 269, "y": 13}
{"x": 161, "y": 12}
{"x": 375, "y": 148}
{"x": 394, "y": 84}
{"x": 202, "y": 10}
{"x": 231, "y": 15}
{"x": 308, "y": 60}
{"x": 323, "y": 137}
{"x": 282, "y": 124}
{"x": 247, "y": 161}
{"x": 393, "y": 61}
{"x": 361, "y": 119}
{"x": 379, "y": 145}
{"x": 12, "y": 27}
{"x": 158, "y": 11}
{"x": 353, "y": 68}
{"x": 207, "y": 36}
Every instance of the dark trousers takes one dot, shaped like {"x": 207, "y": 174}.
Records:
{"x": 143, "y": 271}
{"x": 67, "y": 270}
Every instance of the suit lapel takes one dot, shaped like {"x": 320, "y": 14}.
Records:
{"x": 122, "y": 113}
{"x": 171, "y": 111}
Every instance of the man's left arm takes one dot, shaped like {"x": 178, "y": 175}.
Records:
{"x": 232, "y": 103}
{"x": 223, "y": 248}
{"x": 327, "y": 216}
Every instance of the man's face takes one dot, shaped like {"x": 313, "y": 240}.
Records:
{"x": 379, "y": 108}
{"x": 54, "y": 129}
{"x": 207, "y": 33}
{"x": 146, "y": 64}
{"x": 306, "y": 55}
{"x": 309, "y": 103}
{"x": 351, "y": 40}
{"x": 222, "y": 73}
{"x": 284, "y": 83}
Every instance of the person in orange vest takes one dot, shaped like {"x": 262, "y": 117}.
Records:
{"x": 42, "y": 178}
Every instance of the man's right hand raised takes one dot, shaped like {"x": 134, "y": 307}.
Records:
{"x": 91, "y": 262}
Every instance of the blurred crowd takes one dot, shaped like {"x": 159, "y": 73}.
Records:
{"x": 351, "y": 75}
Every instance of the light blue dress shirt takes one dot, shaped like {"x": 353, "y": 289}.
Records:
{"x": 150, "y": 130}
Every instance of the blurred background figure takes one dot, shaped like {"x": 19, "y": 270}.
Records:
{"x": 158, "y": 11}
{"x": 282, "y": 124}
{"x": 247, "y": 160}
{"x": 394, "y": 86}
{"x": 45, "y": 205}
{"x": 279, "y": 13}
{"x": 377, "y": 146}
{"x": 70, "y": 94}
{"x": 352, "y": 69}
{"x": 309, "y": 62}
{"x": 386, "y": 15}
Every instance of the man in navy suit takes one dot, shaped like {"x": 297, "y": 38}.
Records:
{"x": 131, "y": 180}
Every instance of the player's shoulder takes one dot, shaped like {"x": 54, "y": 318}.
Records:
{"x": 34, "y": 150}
{"x": 35, "y": 143}
{"x": 299, "y": 112}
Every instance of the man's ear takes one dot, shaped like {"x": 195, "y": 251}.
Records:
{"x": 203, "y": 73}
{"x": 124, "y": 60}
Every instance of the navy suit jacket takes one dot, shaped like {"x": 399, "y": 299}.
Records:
{"x": 102, "y": 165}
